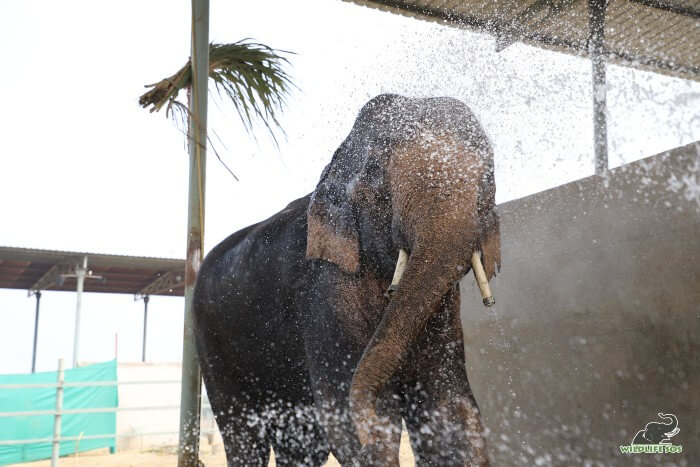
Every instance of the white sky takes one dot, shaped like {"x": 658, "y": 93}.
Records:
{"x": 85, "y": 168}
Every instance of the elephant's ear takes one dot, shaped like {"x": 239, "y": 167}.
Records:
{"x": 332, "y": 228}
{"x": 490, "y": 221}
{"x": 358, "y": 164}
{"x": 491, "y": 244}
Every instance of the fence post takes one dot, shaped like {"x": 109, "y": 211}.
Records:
{"x": 57, "y": 418}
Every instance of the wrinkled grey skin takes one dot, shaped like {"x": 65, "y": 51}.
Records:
{"x": 301, "y": 347}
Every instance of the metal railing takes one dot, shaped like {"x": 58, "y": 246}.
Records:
{"x": 60, "y": 384}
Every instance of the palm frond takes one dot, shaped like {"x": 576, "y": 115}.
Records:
{"x": 249, "y": 74}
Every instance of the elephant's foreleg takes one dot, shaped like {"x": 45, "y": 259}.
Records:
{"x": 445, "y": 432}
{"x": 441, "y": 413}
{"x": 330, "y": 363}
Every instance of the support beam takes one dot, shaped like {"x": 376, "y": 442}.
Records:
{"x": 596, "y": 49}
{"x": 537, "y": 13}
{"x": 81, "y": 271}
{"x": 678, "y": 9}
{"x": 55, "y": 276}
{"x": 37, "y": 294}
{"x": 163, "y": 283}
{"x": 146, "y": 299}
{"x": 190, "y": 395}
{"x": 499, "y": 28}
{"x": 52, "y": 277}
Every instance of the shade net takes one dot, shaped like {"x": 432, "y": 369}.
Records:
{"x": 41, "y": 426}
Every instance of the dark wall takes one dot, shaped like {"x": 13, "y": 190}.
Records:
{"x": 597, "y": 318}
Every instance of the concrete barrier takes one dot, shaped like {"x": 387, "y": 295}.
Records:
{"x": 597, "y": 318}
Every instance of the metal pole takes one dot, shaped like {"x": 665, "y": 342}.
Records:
{"x": 596, "y": 49}
{"x": 145, "y": 326}
{"x": 36, "y": 330}
{"x": 190, "y": 395}
{"x": 56, "y": 444}
{"x": 80, "y": 272}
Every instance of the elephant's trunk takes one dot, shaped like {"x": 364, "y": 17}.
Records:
{"x": 674, "y": 421}
{"x": 429, "y": 275}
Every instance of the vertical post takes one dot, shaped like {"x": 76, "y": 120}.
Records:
{"x": 56, "y": 443}
{"x": 190, "y": 394}
{"x": 36, "y": 330}
{"x": 145, "y": 327}
{"x": 80, "y": 272}
{"x": 596, "y": 49}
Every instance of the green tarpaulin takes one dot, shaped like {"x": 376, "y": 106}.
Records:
{"x": 83, "y": 424}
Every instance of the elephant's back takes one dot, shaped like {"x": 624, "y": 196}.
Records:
{"x": 244, "y": 304}
{"x": 254, "y": 265}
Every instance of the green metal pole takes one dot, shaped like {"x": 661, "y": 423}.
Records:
{"x": 190, "y": 395}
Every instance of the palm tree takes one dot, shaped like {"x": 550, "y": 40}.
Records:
{"x": 249, "y": 74}
{"x": 252, "y": 77}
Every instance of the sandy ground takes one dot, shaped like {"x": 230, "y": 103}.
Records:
{"x": 211, "y": 455}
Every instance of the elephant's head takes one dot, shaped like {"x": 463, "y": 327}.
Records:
{"x": 669, "y": 429}
{"x": 413, "y": 174}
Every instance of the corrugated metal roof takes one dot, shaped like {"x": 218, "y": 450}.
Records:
{"x": 21, "y": 268}
{"x": 657, "y": 35}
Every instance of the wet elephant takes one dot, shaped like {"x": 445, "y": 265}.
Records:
{"x": 301, "y": 346}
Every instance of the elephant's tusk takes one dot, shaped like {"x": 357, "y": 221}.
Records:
{"x": 482, "y": 280}
{"x": 398, "y": 272}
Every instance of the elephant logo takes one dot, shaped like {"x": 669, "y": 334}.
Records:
{"x": 655, "y": 438}
{"x": 658, "y": 433}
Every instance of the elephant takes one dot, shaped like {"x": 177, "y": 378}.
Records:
{"x": 658, "y": 433}
{"x": 301, "y": 345}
